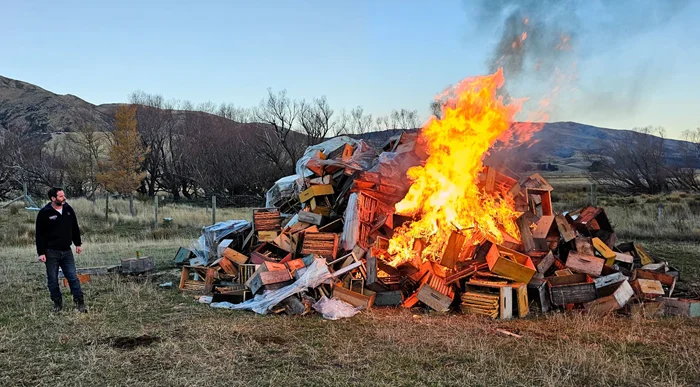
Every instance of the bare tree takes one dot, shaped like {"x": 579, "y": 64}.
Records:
{"x": 358, "y": 122}
{"x": 155, "y": 118}
{"x": 234, "y": 113}
{"x": 633, "y": 162}
{"x": 684, "y": 172}
{"x": 436, "y": 109}
{"x": 281, "y": 114}
{"x": 83, "y": 151}
{"x": 316, "y": 120}
{"x": 405, "y": 119}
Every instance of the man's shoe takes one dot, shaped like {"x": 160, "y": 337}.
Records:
{"x": 57, "y": 306}
{"x": 80, "y": 306}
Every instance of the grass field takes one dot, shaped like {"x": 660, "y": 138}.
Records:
{"x": 140, "y": 334}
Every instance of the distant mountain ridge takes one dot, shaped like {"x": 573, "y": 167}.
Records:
{"x": 25, "y": 104}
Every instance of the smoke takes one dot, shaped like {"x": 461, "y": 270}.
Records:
{"x": 543, "y": 44}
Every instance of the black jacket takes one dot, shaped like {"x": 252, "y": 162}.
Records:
{"x": 56, "y": 231}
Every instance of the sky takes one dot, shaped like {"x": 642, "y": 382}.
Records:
{"x": 632, "y": 63}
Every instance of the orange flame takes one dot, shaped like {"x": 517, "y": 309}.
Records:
{"x": 444, "y": 195}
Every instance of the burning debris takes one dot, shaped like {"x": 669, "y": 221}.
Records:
{"x": 454, "y": 236}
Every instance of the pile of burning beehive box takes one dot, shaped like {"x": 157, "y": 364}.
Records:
{"x": 340, "y": 208}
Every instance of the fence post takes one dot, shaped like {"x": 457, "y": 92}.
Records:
{"x": 659, "y": 214}
{"x": 213, "y": 209}
{"x": 593, "y": 193}
{"x": 107, "y": 206}
{"x": 155, "y": 211}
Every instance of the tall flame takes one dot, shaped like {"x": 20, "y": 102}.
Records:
{"x": 444, "y": 195}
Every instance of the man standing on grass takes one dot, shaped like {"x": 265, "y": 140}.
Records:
{"x": 56, "y": 229}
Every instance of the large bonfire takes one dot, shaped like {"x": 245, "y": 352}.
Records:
{"x": 445, "y": 195}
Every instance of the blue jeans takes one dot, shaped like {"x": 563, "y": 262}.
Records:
{"x": 64, "y": 260}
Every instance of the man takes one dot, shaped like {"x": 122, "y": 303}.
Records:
{"x": 56, "y": 229}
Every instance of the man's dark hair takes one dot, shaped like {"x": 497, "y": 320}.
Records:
{"x": 53, "y": 192}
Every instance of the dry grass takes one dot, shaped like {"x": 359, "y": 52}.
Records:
{"x": 17, "y": 224}
{"x": 188, "y": 344}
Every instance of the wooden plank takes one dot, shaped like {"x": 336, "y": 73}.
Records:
{"x": 565, "y": 230}
{"x": 453, "y": 249}
{"x": 525, "y": 233}
{"x": 490, "y": 179}
{"x": 545, "y": 263}
{"x": 544, "y": 227}
{"x": 537, "y": 290}
{"x": 521, "y": 295}
{"x": 585, "y": 264}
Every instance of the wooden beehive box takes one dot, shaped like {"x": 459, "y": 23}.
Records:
{"x": 137, "y": 265}
{"x": 571, "y": 289}
{"x": 585, "y": 264}
{"x": 267, "y": 219}
{"x": 510, "y": 263}
{"x": 612, "y": 297}
{"x": 487, "y": 298}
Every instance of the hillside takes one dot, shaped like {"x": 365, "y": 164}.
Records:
{"x": 25, "y": 105}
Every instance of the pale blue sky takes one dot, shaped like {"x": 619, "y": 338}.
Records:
{"x": 378, "y": 54}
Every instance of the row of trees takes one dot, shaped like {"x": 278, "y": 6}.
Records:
{"x": 643, "y": 161}
{"x": 185, "y": 150}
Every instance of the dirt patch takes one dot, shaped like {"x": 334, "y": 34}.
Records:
{"x": 129, "y": 342}
{"x": 270, "y": 340}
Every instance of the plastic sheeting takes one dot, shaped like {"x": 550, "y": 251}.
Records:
{"x": 283, "y": 188}
{"x": 325, "y": 147}
{"x": 351, "y": 227}
{"x": 205, "y": 247}
{"x": 315, "y": 275}
{"x": 334, "y": 309}
{"x": 364, "y": 156}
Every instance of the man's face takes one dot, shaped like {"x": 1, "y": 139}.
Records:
{"x": 60, "y": 198}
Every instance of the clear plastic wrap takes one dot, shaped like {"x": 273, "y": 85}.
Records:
{"x": 334, "y": 309}
{"x": 325, "y": 147}
{"x": 351, "y": 227}
{"x": 205, "y": 247}
{"x": 315, "y": 274}
{"x": 364, "y": 157}
{"x": 283, "y": 188}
